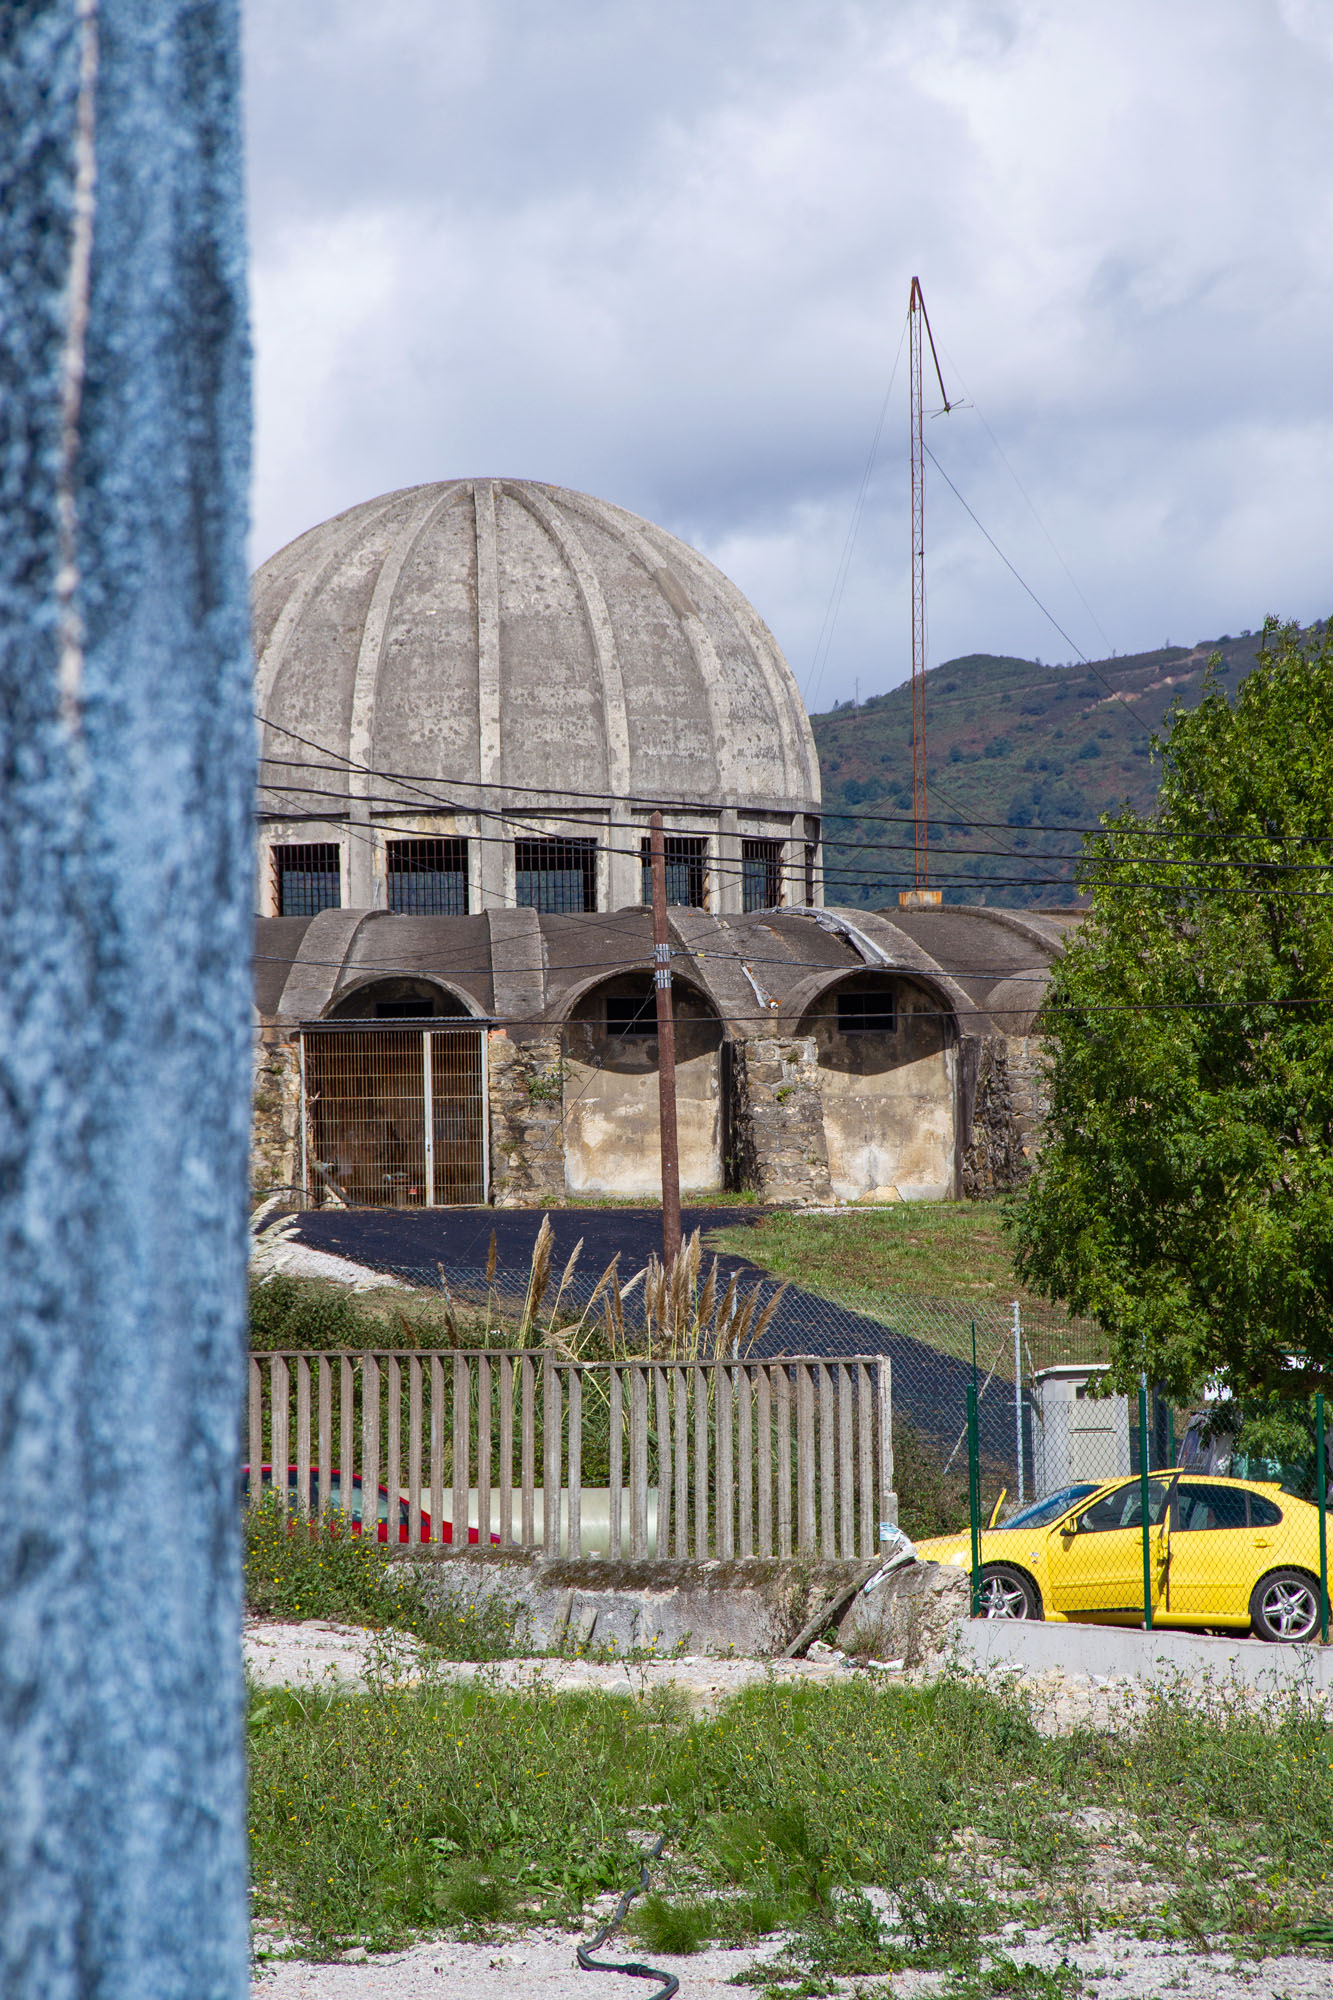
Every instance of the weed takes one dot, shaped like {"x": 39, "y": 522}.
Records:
{"x": 672, "y": 1927}
{"x": 369, "y": 1811}
{"x": 300, "y": 1567}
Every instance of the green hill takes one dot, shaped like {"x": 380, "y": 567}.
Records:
{"x": 1010, "y": 741}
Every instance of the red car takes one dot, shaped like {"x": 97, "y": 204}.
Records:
{"x": 336, "y": 1506}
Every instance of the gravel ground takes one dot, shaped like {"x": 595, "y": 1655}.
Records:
{"x": 1114, "y": 1965}
{"x": 343, "y": 1655}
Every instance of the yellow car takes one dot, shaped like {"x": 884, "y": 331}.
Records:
{"x": 1224, "y": 1554}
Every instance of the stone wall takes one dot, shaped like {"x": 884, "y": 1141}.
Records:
{"x": 275, "y": 1133}
{"x": 1008, "y": 1108}
{"x": 777, "y": 1119}
{"x": 527, "y": 1120}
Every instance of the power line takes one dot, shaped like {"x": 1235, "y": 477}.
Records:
{"x": 1091, "y": 667}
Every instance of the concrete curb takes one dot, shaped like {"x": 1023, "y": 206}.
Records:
{"x": 1106, "y": 1650}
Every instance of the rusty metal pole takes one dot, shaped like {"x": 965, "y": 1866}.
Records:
{"x": 666, "y": 1046}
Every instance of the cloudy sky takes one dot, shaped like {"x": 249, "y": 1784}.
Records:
{"x": 660, "y": 250}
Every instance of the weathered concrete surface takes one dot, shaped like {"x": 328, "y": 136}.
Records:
{"x": 752, "y": 1607}
{"x": 1102, "y": 1650}
{"x": 612, "y": 1142}
{"x": 527, "y": 639}
{"x": 127, "y": 752}
{"x": 912, "y": 1615}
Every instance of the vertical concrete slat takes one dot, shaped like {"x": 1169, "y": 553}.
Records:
{"x": 256, "y": 1416}
{"x": 846, "y": 1488}
{"x": 616, "y": 1454}
{"x": 724, "y": 1469}
{"x": 506, "y": 1451}
{"x": 483, "y": 1451}
{"x": 638, "y": 1461}
{"x": 744, "y": 1463}
{"x": 575, "y": 1395}
{"x": 551, "y": 1455}
{"x": 370, "y": 1443}
{"x": 280, "y": 1444}
{"x": 805, "y": 1457}
{"x": 347, "y": 1436}
{"x": 325, "y": 1443}
{"x": 828, "y": 1546}
{"x": 681, "y": 1456}
{"x": 436, "y": 1448}
{"x": 887, "y": 1516}
{"x": 699, "y": 1383}
{"x": 663, "y": 1463}
{"x": 528, "y": 1449}
{"x": 462, "y": 1416}
{"x": 303, "y": 1454}
{"x": 415, "y": 1419}
{"x": 865, "y": 1413}
{"x": 764, "y": 1458}
{"x": 393, "y": 1442}
{"x": 782, "y": 1413}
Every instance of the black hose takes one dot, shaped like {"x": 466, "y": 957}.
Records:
{"x": 670, "y": 1984}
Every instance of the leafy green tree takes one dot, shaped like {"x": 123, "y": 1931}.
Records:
{"x": 1184, "y": 1197}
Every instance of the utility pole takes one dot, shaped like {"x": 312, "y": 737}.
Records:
{"x": 921, "y": 896}
{"x": 666, "y": 1047}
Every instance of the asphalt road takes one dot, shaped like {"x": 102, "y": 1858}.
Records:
{"x": 929, "y": 1388}
{"x": 412, "y": 1239}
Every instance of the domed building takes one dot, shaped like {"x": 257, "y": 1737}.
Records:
{"x": 485, "y": 686}
{"x": 472, "y": 696}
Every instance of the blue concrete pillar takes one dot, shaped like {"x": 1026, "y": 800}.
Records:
{"x": 125, "y": 889}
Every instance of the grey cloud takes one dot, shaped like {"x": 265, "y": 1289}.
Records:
{"x": 662, "y": 253}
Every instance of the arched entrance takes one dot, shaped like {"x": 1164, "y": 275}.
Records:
{"x": 394, "y": 1085}
{"x": 887, "y": 1051}
{"x": 612, "y": 1129}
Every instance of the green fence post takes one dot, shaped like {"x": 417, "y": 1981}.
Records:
{"x": 974, "y": 1494}
{"x": 974, "y": 1478}
{"x": 1321, "y": 1489}
{"x": 1143, "y": 1501}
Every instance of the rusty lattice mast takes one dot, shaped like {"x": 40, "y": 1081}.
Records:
{"x": 917, "y": 322}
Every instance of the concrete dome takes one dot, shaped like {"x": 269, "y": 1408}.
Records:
{"x": 520, "y": 637}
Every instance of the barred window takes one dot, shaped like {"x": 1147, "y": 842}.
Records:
{"x": 631, "y": 1013}
{"x": 555, "y": 875}
{"x": 686, "y": 857}
{"x": 428, "y": 878}
{"x": 307, "y": 879}
{"x": 761, "y": 874}
{"x": 867, "y": 1013}
{"x": 810, "y": 873}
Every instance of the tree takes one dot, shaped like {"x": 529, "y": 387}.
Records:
{"x": 1184, "y": 1197}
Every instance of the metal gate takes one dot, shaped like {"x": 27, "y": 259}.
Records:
{"x": 394, "y": 1116}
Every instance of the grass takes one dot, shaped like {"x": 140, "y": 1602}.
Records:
{"x": 934, "y": 1249}
{"x": 299, "y": 1569}
{"x": 928, "y": 1269}
{"x": 379, "y": 1817}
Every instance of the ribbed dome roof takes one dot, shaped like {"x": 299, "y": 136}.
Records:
{"x": 516, "y": 635}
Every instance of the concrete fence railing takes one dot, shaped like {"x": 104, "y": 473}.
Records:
{"x": 633, "y": 1458}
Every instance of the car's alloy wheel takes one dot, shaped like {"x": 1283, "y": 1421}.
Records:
{"x": 1006, "y": 1593}
{"x": 1285, "y": 1607}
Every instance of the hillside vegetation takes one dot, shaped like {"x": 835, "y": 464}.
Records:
{"x": 1012, "y": 741}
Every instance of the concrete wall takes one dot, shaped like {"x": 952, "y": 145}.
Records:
{"x": 888, "y": 1097}
{"x": 611, "y": 1108}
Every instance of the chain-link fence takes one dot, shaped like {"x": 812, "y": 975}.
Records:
{"x": 1010, "y": 1455}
